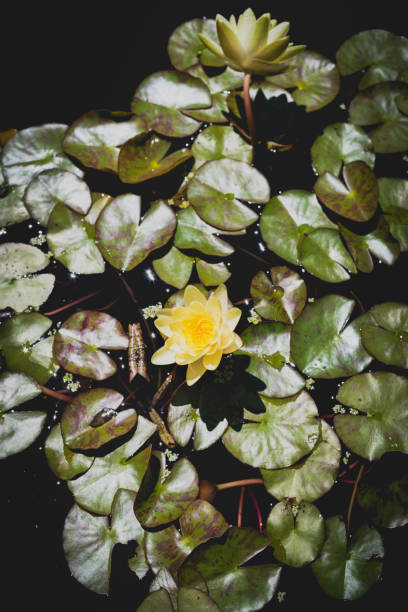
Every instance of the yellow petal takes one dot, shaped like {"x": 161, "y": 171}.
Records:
{"x": 194, "y": 372}
{"x": 235, "y": 344}
{"x": 163, "y": 325}
{"x": 192, "y": 294}
{"x": 221, "y": 294}
{"x": 211, "y": 362}
{"x": 232, "y": 317}
{"x": 163, "y": 356}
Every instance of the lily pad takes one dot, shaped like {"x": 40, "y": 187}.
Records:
{"x": 285, "y": 433}
{"x": 323, "y": 345}
{"x": 384, "y": 500}
{"x": 161, "y": 98}
{"x": 383, "y": 427}
{"x": 231, "y": 586}
{"x": 78, "y": 340}
{"x": 193, "y": 233}
{"x": 323, "y": 254}
{"x": 92, "y": 419}
{"x": 316, "y": 79}
{"x": 96, "y": 137}
{"x": 212, "y": 274}
{"x": 158, "y": 600}
{"x": 123, "y": 242}
{"x": 220, "y": 87}
{"x": 62, "y": 460}
{"x": 379, "y": 105}
{"x": 12, "y": 209}
{"x": 169, "y": 548}
{"x": 18, "y": 430}
{"x": 268, "y": 346}
{"x": 346, "y": 570}
{"x": 55, "y": 186}
{"x": 296, "y": 537}
{"x": 283, "y": 299}
{"x": 174, "y": 268}
{"x": 217, "y": 187}
{"x": 218, "y": 142}
{"x": 379, "y": 242}
{"x": 185, "y": 47}
{"x": 166, "y": 499}
{"x": 386, "y": 338}
{"x": 23, "y": 329}
{"x": 19, "y": 290}
{"x": 15, "y": 389}
{"x": 311, "y": 478}
{"x": 288, "y": 218}
{"x": 341, "y": 143}
{"x": 120, "y": 469}
{"x": 394, "y": 203}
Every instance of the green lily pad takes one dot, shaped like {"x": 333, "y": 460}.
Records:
{"x": 141, "y": 161}
{"x": 341, "y": 143}
{"x": 386, "y": 338}
{"x": 123, "y": 242}
{"x": 311, "y": 478}
{"x": 379, "y": 105}
{"x": 394, "y": 203}
{"x": 218, "y": 142}
{"x": 323, "y": 254}
{"x": 219, "y": 86}
{"x": 283, "y": 299}
{"x": 99, "y": 201}
{"x": 62, "y": 460}
{"x": 164, "y": 579}
{"x": 268, "y": 346}
{"x": 138, "y": 563}
{"x": 169, "y": 548}
{"x": 19, "y": 290}
{"x": 193, "y": 233}
{"x": 166, "y": 499}
{"x": 323, "y": 345}
{"x": 33, "y": 150}
{"x": 288, "y": 218}
{"x": 212, "y": 274}
{"x": 23, "y": 329}
{"x": 120, "y": 469}
{"x": 346, "y": 570}
{"x": 379, "y": 242}
{"x": 217, "y": 187}
{"x": 88, "y": 541}
{"x": 231, "y": 586}
{"x": 194, "y": 599}
{"x": 185, "y": 48}
{"x": 285, "y": 433}
{"x": 296, "y": 537}
{"x": 12, "y": 209}
{"x": 91, "y": 419}
{"x": 56, "y": 186}
{"x": 15, "y": 389}
{"x": 383, "y": 56}
{"x": 78, "y": 340}
{"x": 383, "y": 428}
{"x": 384, "y": 500}
{"x": 158, "y": 600}
{"x": 18, "y": 430}
{"x": 72, "y": 243}
{"x": 96, "y": 137}
{"x": 316, "y": 79}
{"x": 174, "y": 268}
{"x": 161, "y": 98}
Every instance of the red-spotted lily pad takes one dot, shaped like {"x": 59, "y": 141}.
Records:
{"x": 217, "y": 187}
{"x": 354, "y": 199}
{"x": 380, "y": 105}
{"x": 268, "y": 346}
{"x": 78, "y": 340}
{"x": 96, "y": 137}
{"x": 120, "y": 469}
{"x": 315, "y": 78}
{"x": 88, "y": 540}
{"x": 394, "y": 203}
{"x": 56, "y": 186}
{"x": 230, "y": 585}
{"x": 123, "y": 240}
{"x": 92, "y": 419}
{"x": 62, "y": 460}
{"x": 18, "y": 289}
{"x": 383, "y": 398}
{"x": 185, "y": 47}
{"x": 348, "y": 569}
{"x": 163, "y": 500}
{"x": 283, "y": 299}
{"x": 288, "y": 218}
{"x": 387, "y": 337}
{"x": 296, "y": 535}
{"x": 323, "y": 345}
{"x": 15, "y": 389}
{"x": 193, "y": 233}
{"x": 323, "y": 254}
{"x": 218, "y": 142}
{"x": 341, "y": 143}
{"x": 312, "y": 477}
{"x": 174, "y": 268}
{"x": 141, "y": 161}
{"x": 379, "y": 242}
{"x": 169, "y": 548}
{"x": 161, "y": 98}
{"x": 286, "y": 432}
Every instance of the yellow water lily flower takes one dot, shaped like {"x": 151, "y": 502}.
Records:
{"x": 253, "y": 46}
{"x": 199, "y": 333}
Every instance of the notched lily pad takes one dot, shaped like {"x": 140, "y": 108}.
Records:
{"x": 185, "y": 47}
{"x": 62, "y": 460}
{"x": 379, "y": 242}
{"x": 15, "y": 389}
{"x": 387, "y": 337}
{"x": 212, "y": 274}
{"x": 323, "y": 254}
{"x": 394, "y": 203}
{"x": 18, "y": 430}
{"x": 194, "y": 233}
{"x": 174, "y": 268}
{"x": 218, "y": 142}
{"x": 283, "y": 299}
{"x": 12, "y": 209}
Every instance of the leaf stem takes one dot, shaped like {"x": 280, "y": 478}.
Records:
{"x": 248, "y": 107}
{"x": 267, "y": 263}
{"x": 78, "y": 301}
{"x": 258, "y": 510}
{"x": 56, "y": 394}
{"x": 239, "y": 483}
{"x": 358, "y": 301}
{"x": 241, "y": 503}
{"x": 353, "y": 496}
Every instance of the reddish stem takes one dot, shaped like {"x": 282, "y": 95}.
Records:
{"x": 248, "y": 107}
{"x": 349, "y": 481}
{"x": 239, "y": 483}
{"x": 78, "y": 301}
{"x": 258, "y": 510}
{"x": 56, "y": 394}
{"x": 241, "y": 503}
{"x": 267, "y": 263}
{"x": 244, "y": 301}
{"x": 353, "y": 465}
{"x": 327, "y": 416}
{"x": 109, "y": 305}
{"x": 358, "y": 301}
{"x": 353, "y": 495}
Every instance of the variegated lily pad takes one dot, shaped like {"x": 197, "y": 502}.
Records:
{"x": 379, "y": 242}
{"x": 219, "y": 86}
{"x": 218, "y": 142}
{"x": 193, "y": 233}
{"x": 283, "y": 299}
{"x": 62, "y": 460}
{"x": 394, "y": 203}
{"x": 174, "y": 268}
{"x": 387, "y": 337}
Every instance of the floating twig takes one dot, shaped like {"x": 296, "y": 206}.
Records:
{"x": 163, "y": 387}
{"x": 137, "y": 352}
{"x": 164, "y": 434}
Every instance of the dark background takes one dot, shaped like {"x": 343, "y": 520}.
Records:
{"x": 55, "y": 65}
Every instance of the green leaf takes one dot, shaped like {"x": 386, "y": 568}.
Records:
{"x": 285, "y": 433}
{"x": 18, "y": 430}
{"x": 185, "y": 48}
{"x": 323, "y": 254}
{"x": 323, "y": 345}
{"x": 387, "y": 337}
{"x": 348, "y": 570}
{"x": 12, "y": 209}
{"x": 212, "y": 274}
{"x": 15, "y": 389}
{"x": 158, "y": 600}
{"x": 218, "y": 142}
{"x": 62, "y": 460}
{"x": 379, "y": 242}
{"x": 174, "y": 268}
{"x": 78, "y": 340}
{"x": 383, "y": 427}
{"x": 22, "y": 329}
{"x": 123, "y": 242}
{"x": 193, "y": 233}
{"x": 311, "y": 478}
{"x": 283, "y": 299}
{"x": 384, "y": 498}
{"x": 194, "y": 599}
{"x": 296, "y": 537}
{"x": 394, "y": 202}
